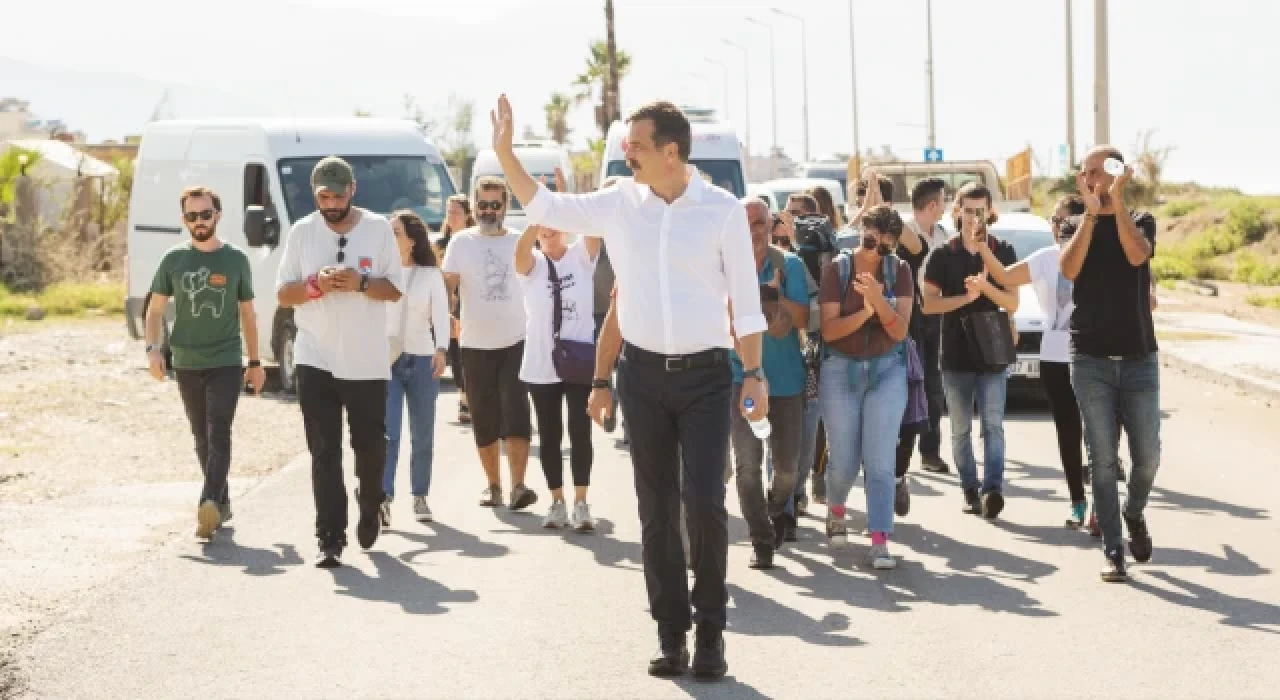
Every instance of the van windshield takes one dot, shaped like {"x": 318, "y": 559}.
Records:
{"x": 549, "y": 179}
{"x": 383, "y": 185}
{"x": 725, "y": 173}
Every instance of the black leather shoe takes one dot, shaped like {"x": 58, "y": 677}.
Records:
{"x": 672, "y": 658}
{"x": 708, "y": 657}
{"x": 761, "y": 557}
{"x": 370, "y": 525}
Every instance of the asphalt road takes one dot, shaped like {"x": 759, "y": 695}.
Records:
{"x": 487, "y": 604}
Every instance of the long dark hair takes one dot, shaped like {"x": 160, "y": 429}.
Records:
{"x": 465, "y": 203}
{"x": 423, "y": 254}
{"x": 827, "y": 206}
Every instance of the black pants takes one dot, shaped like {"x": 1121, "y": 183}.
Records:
{"x": 323, "y": 398}
{"x": 1056, "y": 377}
{"x": 549, "y": 403}
{"x": 210, "y": 397}
{"x": 455, "y": 365}
{"x": 930, "y": 348}
{"x": 674, "y": 414}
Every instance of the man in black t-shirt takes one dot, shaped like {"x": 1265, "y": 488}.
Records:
{"x": 1115, "y": 369}
{"x": 956, "y": 285}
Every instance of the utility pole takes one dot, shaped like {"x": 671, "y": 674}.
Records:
{"x": 1071, "y": 95}
{"x": 928, "y": 69}
{"x": 612, "y": 103}
{"x": 804, "y": 73}
{"x": 746, "y": 94}
{"x": 773, "y": 86}
{"x": 725, "y": 94}
{"x": 1101, "y": 74}
{"x": 853, "y": 71}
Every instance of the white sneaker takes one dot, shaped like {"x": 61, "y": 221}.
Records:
{"x": 582, "y": 520}
{"x": 421, "y": 510}
{"x": 558, "y": 516}
{"x": 881, "y": 558}
{"x": 837, "y": 531}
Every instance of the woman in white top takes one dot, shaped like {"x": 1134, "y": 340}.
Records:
{"x": 575, "y": 268}
{"x": 1053, "y": 291}
{"x": 418, "y": 326}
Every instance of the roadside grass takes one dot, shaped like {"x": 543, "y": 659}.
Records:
{"x": 65, "y": 299}
{"x": 1265, "y": 301}
{"x": 1218, "y": 252}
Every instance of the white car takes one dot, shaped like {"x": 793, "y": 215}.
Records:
{"x": 784, "y": 188}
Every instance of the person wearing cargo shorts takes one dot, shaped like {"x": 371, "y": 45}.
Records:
{"x": 479, "y": 268}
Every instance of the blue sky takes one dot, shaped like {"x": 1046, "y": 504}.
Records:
{"x": 1201, "y": 74}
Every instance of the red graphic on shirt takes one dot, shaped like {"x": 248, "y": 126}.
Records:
{"x": 366, "y": 264}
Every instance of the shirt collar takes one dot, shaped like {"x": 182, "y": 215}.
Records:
{"x": 694, "y": 191}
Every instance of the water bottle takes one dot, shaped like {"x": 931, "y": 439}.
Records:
{"x": 760, "y": 427}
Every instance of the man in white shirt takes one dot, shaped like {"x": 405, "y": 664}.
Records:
{"x": 681, "y": 252}
{"x": 478, "y": 268}
{"x": 339, "y": 268}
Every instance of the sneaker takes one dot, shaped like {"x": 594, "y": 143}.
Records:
{"x": 972, "y": 502}
{"x": 224, "y": 509}
{"x": 837, "y": 531}
{"x": 384, "y": 512}
{"x": 522, "y": 497}
{"x": 901, "y": 497}
{"x": 208, "y": 518}
{"x": 761, "y": 557}
{"x": 881, "y": 558}
{"x": 1139, "y": 539}
{"x": 421, "y": 510}
{"x": 370, "y": 525}
{"x": 330, "y": 557}
{"x": 491, "y": 497}
{"x": 992, "y": 504}
{"x": 557, "y": 517}
{"x": 934, "y": 464}
{"x": 1078, "y": 511}
{"x": 581, "y": 519}
{"x": 1113, "y": 571}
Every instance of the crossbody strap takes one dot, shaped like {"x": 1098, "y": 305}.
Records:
{"x": 556, "y": 311}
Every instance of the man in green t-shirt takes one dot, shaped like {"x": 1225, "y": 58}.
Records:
{"x": 212, "y": 288}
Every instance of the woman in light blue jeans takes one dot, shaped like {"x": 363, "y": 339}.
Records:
{"x": 418, "y": 326}
{"x": 863, "y": 384}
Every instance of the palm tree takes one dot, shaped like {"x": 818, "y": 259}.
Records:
{"x": 594, "y": 80}
{"x": 557, "y": 109}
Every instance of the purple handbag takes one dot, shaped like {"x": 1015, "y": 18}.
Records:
{"x": 917, "y": 402}
{"x": 574, "y": 360}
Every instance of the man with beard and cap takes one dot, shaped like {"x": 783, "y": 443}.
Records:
{"x": 479, "y": 268}
{"x": 339, "y": 269}
{"x": 212, "y": 286}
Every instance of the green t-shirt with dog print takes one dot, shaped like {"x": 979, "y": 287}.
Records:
{"x": 206, "y": 290}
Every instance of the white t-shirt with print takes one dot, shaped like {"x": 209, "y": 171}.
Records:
{"x": 492, "y": 303}
{"x": 1053, "y": 291}
{"x": 576, "y": 270}
{"x": 343, "y": 333}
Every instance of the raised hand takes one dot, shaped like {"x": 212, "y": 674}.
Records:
{"x": 1092, "y": 197}
{"x": 868, "y": 286}
{"x": 503, "y": 129}
{"x": 1118, "y": 184}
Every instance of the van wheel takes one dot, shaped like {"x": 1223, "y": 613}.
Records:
{"x": 283, "y": 346}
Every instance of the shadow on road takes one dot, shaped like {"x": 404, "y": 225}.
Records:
{"x": 1164, "y": 498}
{"x": 757, "y": 616}
{"x": 1235, "y": 611}
{"x": 448, "y": 539}
{"x": 398, "y": 583}
{"x": 727, "y": 687}
{"x": 223, "y": 551}
{"x": 608, "y": 550}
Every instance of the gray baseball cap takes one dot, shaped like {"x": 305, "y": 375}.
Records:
{"x": 332, "y": 173}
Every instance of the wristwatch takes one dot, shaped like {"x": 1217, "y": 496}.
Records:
{"x": 757, "y": 374}
{"x": 152, "y": 348}
{"x": 364, "y": 282}
{"x": 600, "y": 384}
{"x": 255, "y": 363}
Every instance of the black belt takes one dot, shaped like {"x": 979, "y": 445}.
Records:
{"x": 676, "y": 363}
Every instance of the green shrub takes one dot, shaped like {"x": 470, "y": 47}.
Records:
{"x": 1265, "y": 301}
{"x": 1179, "y": 207}
{"x": 65, "y": 300}
{"x": 1172, "y": 266}
{"x": 1251, "y": 270}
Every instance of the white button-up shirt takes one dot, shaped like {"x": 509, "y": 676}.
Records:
{"x": 677, "y": 265}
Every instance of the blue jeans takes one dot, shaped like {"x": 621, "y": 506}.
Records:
{"x": 1130, "y": 389}
{"x": 862, "y": 406}
{"x": 411, "y": 379}
{"x": 989, "y": 389}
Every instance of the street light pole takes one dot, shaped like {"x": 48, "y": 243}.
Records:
{"x": 725, "y": 69}
{"x": 1071, "y": 94}
{"x": 773, "y": 87}
{"x": 746, "y": 92}
{"x": 804, "y": 73}
{"x": 1101, "y": 89}
{"x": 853, "y": 71}
{"x": 933, "y": 132}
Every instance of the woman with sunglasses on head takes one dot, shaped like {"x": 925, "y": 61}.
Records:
{"x": 827, "y": 206}
{"x": 457, "y": 218}
{"x": 418, "y": 326}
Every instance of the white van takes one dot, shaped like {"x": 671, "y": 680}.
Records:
{"x": 716, "y": 151}
{"x": 261, "y": 169}
{"x": 540, "y": 159}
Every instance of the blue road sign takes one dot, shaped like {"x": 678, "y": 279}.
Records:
{"x": 933, "y": 155}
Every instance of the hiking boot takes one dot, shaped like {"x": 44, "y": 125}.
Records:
{"x": 370, "y": 525}
{"x": 992, "y": 504}
{"x": 421, "y": 510}
{"x": 581, "y": 519}
{"x": 881, "y": 558}
{"x": 672, "y": 658}
{"x": 208, "y": 518}
{"x": 972, "y": 502}
{"x": 384, "y": 512}
{"x": 522, "y": 497}
{"x": 557, "y": 517}
{"x": 708, "y": 654}
{"x": 761, "y": 557}
{"x": 491, "y": 497}
{"x": 837, "y": 531}
{"x": 901, "y": 497}
{"x": 1078, "y": 511}
{"x": 1139, "y": 539}
{"x": 934, "y": 464}
{"x": 1113, "y": 571}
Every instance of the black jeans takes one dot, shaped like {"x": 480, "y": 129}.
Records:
{"x": 930, "y": 349}
{"x": 675, "y": 415}
{"x": 323, "y": 398}
{"x": 1056, "y": 377}
{"x": 210, "y": 397}
{"x": 549, "y": 403}
{"x": 786, "y": 418}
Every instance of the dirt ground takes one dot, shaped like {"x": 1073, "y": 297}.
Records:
{"x": 97, "y": 466}
{"x": 1230, "y": 300}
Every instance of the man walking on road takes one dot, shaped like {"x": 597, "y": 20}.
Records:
{"x": 1115, "y": 369}
{"x": 923, "y": 234}
{"x": 681, "y": 249}
{"x": 479, "y": 268}
{"x": 339, "y": 268}
{"x": 213, "y": 288}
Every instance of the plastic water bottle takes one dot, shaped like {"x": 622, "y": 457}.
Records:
{"x": 760, "y": 427}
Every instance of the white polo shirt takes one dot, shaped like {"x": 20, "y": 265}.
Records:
{"x": 343, "y": 333}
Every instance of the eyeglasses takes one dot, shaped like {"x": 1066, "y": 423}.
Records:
{"x": 193, "y": 216}
{"x": 342, "y": 254}
{"x": 1057, "y": 220}
{"x": 483, "y": 205}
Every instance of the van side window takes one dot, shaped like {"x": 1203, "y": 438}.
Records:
{"x": 256, "y": 189}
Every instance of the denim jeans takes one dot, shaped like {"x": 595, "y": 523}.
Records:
{"x": 862, "y": 406}
{"x": 990, "y": 390}
{"x": 412, "y": 380}
{"x": 808, "y": 450}
{"x": 748, "y": 450}
{"x": 1130, "y": 389}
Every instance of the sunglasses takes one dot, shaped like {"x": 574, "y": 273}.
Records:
{"x": 980, "y": 211}
{"x": 342, "y": 254}
{"x": 483, "y": 205}
{"x": 1057, "y": 220}
{"x": 193, "y": 216}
